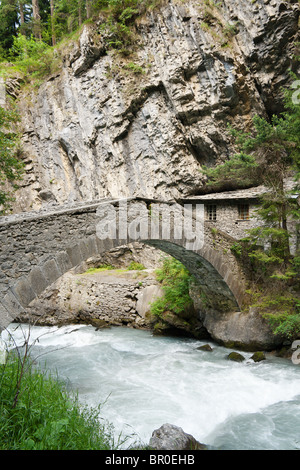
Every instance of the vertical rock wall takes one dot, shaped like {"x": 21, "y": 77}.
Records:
{"x": 114, "y": 126}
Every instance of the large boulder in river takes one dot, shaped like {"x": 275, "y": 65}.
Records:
{"x": 171, "y": 437}
{"x": 247, "y": 331}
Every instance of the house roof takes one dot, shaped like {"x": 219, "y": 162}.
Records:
{"x": 239, "y": 194}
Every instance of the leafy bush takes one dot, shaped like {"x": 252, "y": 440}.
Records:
{"x": 134, "y": 266}
{"x": 175, "y": 280}
{"x": 34, "y": 57}
{"x": 286, "y": 322}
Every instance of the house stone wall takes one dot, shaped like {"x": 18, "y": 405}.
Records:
{"x": 228, "y": 221}
{"x": 228, "y": 218}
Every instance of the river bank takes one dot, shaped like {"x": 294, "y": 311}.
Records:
{"x": 142, "y": 381}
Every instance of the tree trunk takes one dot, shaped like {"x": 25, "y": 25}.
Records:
{"x": 52, "y": 22}
{"x": 79, "y": 12}
{"x": 22, "y": 16}
{"x": 88, "y": 8}
{"x": 37, "y": 20}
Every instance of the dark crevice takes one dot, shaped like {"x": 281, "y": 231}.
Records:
{"x": 135, "y": 106}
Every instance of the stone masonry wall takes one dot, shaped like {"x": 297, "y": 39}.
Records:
{"x": 229, "y": 222}
{"x": 37, "y": 249}
{"x": 100, "y": 298}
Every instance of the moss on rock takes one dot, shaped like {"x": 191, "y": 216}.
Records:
{"x": 235, "y": 356}
{"x": 258, "y": 356}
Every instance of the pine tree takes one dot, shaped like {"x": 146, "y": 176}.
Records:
{"x": 9, "y": 23}
{"x": 88, "y": 8}
{"x": 268, "y": 156}
{"x": 52, "y": 23}
{"x": 22, "y": 14}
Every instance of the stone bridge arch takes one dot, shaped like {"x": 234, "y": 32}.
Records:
{"x": 36, "y": 249}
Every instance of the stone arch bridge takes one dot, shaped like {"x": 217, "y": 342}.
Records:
{"x": 37, "y": 248}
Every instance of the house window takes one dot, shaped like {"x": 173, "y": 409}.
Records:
{"x": 244, "y": 212}
{"x": 211, "y": 212}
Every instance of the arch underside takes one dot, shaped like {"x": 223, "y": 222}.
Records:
{"x": 216, "y": 292}
{"x": 17, "y": 294}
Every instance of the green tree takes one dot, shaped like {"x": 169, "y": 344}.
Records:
{"x": 268, "y": 155}
{"x": 9, "y": 23}
{"x": 67, "y": 16}
{"x": 11, "y": 166}
{"x": 21, "y": 16}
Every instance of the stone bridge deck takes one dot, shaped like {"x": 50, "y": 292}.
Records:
{"x": 38, "y": 248}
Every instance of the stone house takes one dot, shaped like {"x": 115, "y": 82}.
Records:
{"x": 235, "y": 212}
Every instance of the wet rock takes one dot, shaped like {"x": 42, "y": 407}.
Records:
{"x": 172, "y": 324}
{"x": 170, "y": 437}
{"x": 205, "y": 347}
{"x": 236, "y": 357}
{"x": 99, "y": 324}
{"x": 247, "y": 331}
{"x": 258, "y": 356}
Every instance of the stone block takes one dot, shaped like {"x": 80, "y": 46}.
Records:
{"x": 75, "y": 255}
{"x": 84, "y": 248}
{"x": 37, "y": 280}
{"x": 92, "y": 246}
{"x": 23, "y": 291}
{"x": 218, "y": 263}
{"x": 5, "y": 318}
{"x": 12, "y": 305}
{"x": 63, "y": 261}
{"x": 107, "y": 244}
{"x": 51, "y": 271}
{"x": 223, "y": 271}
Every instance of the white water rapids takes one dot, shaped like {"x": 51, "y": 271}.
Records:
{"x": 145, "y": 381}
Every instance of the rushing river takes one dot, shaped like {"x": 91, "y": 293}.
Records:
{"x": 143, "y": 382}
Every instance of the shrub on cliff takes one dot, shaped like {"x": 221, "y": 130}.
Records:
{"x": 11, "y": 166}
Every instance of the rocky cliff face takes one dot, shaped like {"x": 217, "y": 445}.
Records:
{"x": 113, "y": 126}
